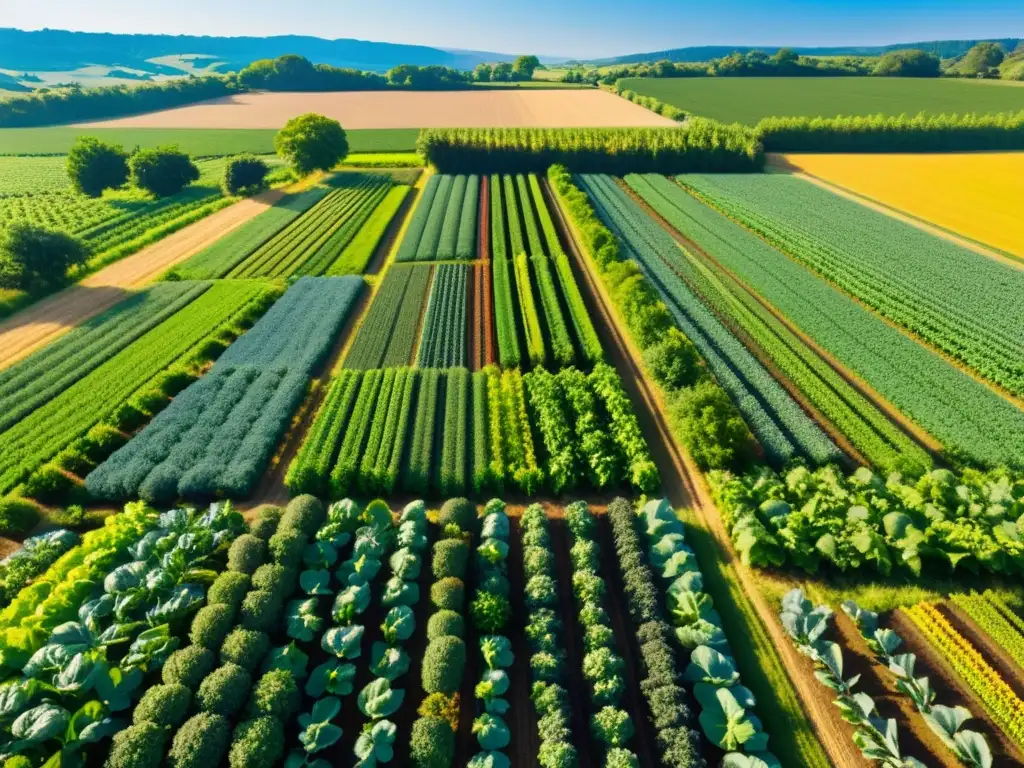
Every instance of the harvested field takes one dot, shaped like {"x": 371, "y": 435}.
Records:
{"x": 30, "y": 329}
{"x": 407, "y": 109}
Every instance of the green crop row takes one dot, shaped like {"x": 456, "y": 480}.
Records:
{"x": 465, "y": 245}
{"x": 778, "y": 421}
{"x": 961, "y": 413}
{"x": 454, "y": 458}
{"x": 347, "y": 465}
{"x": 443, "y": 342}
{"x": 962, "y": 302}
{"x": 504, "y": 311}
{"x": 516, "y": 241}
{"x": 311, "y": 243}
{"x": 390, "y": 329}
{"x": 999, "y": 626}
{"x": 416, "y": 471}
{"x": 224, "y": 255}
{"x": 452, "y": 219}
{"x": 870, "y": 431}
{"x": 443, "y": 228}
{"x": 426, "y": 249}
{"x": 99, "y": 395}
{"x": 357, "y": 254}
{"x": 220, "y": 433}
{"x": 535, "y": 347}
{"x": 551, "y": 415}
{"x": 418, "y": 222}
{"x": 31, "y": 382}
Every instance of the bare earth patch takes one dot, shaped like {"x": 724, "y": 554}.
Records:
{"x": 26, "y": 331}
{"x": 408, "y": 109}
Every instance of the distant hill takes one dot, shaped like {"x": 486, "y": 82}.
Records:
{"x": 57, "y": 50}
{"x": 944, "y": 49}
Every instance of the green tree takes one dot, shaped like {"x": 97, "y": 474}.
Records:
{"x": 980, "y": 59}
{"x": 524, "y": 67}
{"x": 502, "y": 72}
{"x": 482, "y": 73}
{"x": 163, "y": 171}
{"x": 312, "y": 142}
{"x": 785, "y": 57}
{"x": 244, "y": 174}
{"x": 37, "y": 259}
{"x": 908, "y": 63}
{"x": 95, "y": 165}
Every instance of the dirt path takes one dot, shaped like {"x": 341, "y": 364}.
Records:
{"x": 685, "y": 487}
{"x": 45, "y": 320}
{"x": 779, "y": 163}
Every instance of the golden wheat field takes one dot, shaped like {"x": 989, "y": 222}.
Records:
{"x": 978, "y": 195}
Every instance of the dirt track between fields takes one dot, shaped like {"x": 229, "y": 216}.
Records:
{"x": 408, "y": 109}
{"x": 26, "y": 331}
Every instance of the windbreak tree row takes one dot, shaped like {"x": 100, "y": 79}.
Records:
{"x": 220, "y": 433}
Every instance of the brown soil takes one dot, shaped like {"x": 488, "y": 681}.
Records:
{"x": 913, "y": 431}
{"x": 916, "y": 738}
{"x": 950, "y": 689}
{"x": 42, "y": 322}
{"x": 780, "y": 163}
{"x": 684, "y": 486}
{"x": 522, "y": 720}
{"x": 525, "y": 108}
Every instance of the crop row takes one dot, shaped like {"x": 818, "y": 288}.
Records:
{"x": 357, "y": 254}
{"x": 29, "y": 383}
{"x": 970, "y": 748}
{"x": 603, "y": 667}
{"x": 444, "y": 225}
{"x": 529, "y": 315}
{"x": 1004, "y": 706}
{"x": 389, "y": 331}
{"x": 227, "y": 252}
{"x": 311, "y": 243}
{"x": 220, "y": 433}
{"x": 443, "y": 666}
{"x": 961, "y": 413}
{"x": 813, "y": 520}
{"x": 104, "y": 392}
{"x": 781, "y": 426}
{"x": 443, "y": 343}
{"x": 870, "y": 431}
{"x": 36, "y": 555}
{"x": 996, "y": 619}
{"x": 964, "y": 303}
{"x": 546, "y": 636}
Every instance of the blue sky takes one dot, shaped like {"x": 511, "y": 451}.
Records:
{"x": 574, "y": 28}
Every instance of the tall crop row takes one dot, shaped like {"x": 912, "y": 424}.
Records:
{"x": 535, "y": 347}
{"x": 482, "y": 477}
{"x": 220, "y": 433}
{"x": 354, "y": 259}
{"x": 414, "y": 232}
{"x": 444, "y": 327}
{"x": 417, "y": 463}
{"x": 586, "y": 336}
{"x": 346, "y": 467}
{"x": 454, "y": 458}
{"x": 388, "y": 431}
{"x": 388, "y": 333}
{"x": 426, "y": 250}
{"x": 465, "y": 247}
{"x": 452, "y": 219}
{"x": 104, "y": 392}
{"x": 641, "y": 469}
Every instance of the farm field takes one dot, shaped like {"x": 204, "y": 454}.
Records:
{"x": 749, "y": 99}
{"x": 974, "y": 195}
{"x": 504, "y": 468}
{"x": 198, "y": 142}
{"x": 363, "y": 110}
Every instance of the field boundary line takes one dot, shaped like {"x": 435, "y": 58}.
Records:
{"x": 692, "y": 492}
{"x": 775, "y": 162}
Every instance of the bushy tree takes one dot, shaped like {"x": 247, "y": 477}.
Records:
{"x": 673, "y": 362}
{"x": 244, "y": 174}
{"x": 980, "y": 59}
{"x": 162, "y": 171}
{"x": 312, "y": 142}
{"x": 482, "y": 73}
{"x": 502, "y": 73}
{"x": 37, "y": 259}
{"x": 95, "y": 165}
{"x": 524, "y": 67}
{"x": 908, "y": 63}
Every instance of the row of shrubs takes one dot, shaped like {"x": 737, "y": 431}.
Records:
{"x": 244, "y": 604}
{"x": 655, "y": 105}
{"x": 701, "y": 414}
{"x": 669, "y": 706}
{"x": 603, "y": 668}
{"x": 432, "y": 740}
{"x": 545, "y": 634}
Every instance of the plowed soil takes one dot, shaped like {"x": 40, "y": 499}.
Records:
{"x": 39, "y": 324}
{"x": 407, "y": 109}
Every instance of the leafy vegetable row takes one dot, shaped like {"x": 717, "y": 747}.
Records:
{"x": 969, "y": 747}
